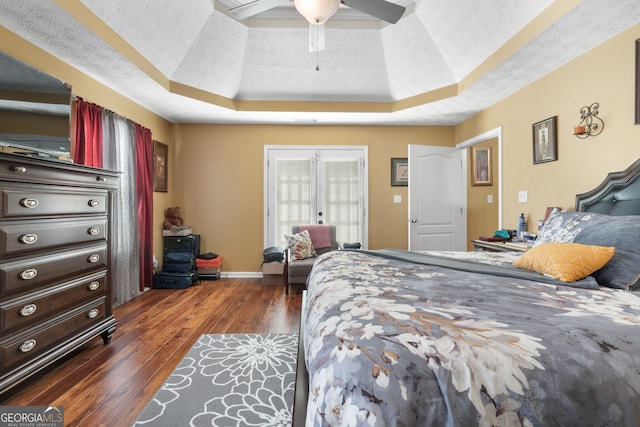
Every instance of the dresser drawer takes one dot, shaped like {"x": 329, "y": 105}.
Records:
{"x": 38, "y": 201}
{"x": 17, "y": 238}
{"x": 29, "y": 273}
{"x": 14, "y": 168}
{"x": 25, "y": 346}
{"x": 31, "y": 309}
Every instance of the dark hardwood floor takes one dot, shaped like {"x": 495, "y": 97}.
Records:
{"x": 109, "y": 385}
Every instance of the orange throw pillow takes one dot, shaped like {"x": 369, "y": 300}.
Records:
{"x": 567, "y": 262}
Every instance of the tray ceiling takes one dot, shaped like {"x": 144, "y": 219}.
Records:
{"x": 190, "y": 61}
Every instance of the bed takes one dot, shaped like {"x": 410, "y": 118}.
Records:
{"x": 396, "y": 338}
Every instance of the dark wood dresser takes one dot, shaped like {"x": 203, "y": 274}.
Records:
{"x": 55, "y": 290}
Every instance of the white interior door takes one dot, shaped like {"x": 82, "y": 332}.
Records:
{"x": 437, "y": 198}
{"x": 309, "y": 185}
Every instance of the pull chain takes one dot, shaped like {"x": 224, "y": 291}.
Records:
{"x": 317, "y": 46}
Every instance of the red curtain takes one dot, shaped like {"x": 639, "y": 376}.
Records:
{"x": 144, "y": 190}
{"x": 88, "y": 147}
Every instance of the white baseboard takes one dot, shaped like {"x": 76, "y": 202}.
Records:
{"x": 242, "y": 274}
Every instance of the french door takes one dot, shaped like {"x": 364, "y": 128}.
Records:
{"x": 315, "y": 185}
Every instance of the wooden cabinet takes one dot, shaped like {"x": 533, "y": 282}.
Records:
{"x": 55, "y": 258}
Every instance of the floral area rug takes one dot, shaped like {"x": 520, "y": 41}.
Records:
{"x": 229, "y": 380}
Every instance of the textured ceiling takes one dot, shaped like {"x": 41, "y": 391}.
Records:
{"x": 191, "y": 62}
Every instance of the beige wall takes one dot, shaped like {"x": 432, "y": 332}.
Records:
{"x": 482, "y": 216}
{"x": 218, "y": 174}
{"x": 604, "y": 75}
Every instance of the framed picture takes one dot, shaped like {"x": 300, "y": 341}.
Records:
{"x": 160, "y": 166}
{"x": 638, "y": 81}
{"x": 399, "y": 172}
{"x": 481, "y": 166}
{"x": 545, "y": 145}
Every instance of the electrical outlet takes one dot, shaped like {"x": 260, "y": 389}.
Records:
{"x": 523, "y": 196}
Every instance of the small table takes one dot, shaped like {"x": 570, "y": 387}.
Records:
{"x": 481, "y": 245}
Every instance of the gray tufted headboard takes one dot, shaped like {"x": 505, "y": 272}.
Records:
{"x": 618, "y": 194}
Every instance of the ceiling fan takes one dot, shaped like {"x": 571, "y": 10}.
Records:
{"x": 317, "y": 12}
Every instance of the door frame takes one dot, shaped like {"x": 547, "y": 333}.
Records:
{"x": 491, "y": 134}
{"x": 365, "y": 183}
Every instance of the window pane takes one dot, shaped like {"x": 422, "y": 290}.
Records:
{"x": 293, "y": 196}
{"x": 342, "y": 198}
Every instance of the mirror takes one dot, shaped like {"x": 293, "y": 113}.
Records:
{"x": 35, "y": 111}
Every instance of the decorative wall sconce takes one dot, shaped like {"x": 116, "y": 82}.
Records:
{"x": 590, "y": 124}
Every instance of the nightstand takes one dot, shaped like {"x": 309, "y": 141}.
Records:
{"x": 481, "y": 245}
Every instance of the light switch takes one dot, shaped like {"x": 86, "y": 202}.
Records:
{"x": 489, "y": 198}
{"x": 523, "y": 196}
{"x": 397, "y": 198}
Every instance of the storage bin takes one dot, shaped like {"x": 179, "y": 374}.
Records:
{"x": 209, "y": 263}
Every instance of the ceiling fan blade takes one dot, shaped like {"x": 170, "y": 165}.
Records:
{"x": 381, "y": 9}
{"x": 255, "y": 7}
{"x": 316, "y": 37}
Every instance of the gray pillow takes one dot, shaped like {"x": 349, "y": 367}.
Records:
{"x": 621, "y": 272}
{"x": 623, "y": 233}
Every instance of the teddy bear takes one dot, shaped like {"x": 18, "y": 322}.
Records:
{"x": 172, "y": 218}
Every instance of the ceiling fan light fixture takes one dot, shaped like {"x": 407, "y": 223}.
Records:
{"x": 317, "y": 11}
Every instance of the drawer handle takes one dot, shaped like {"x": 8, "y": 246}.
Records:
{"x": 28, "y": 202}
{"x": 27, "y": 346}
{"x": 28, "y": 239}
{"x": 94, "y": 230}
{"x": 94, "y": 286}
{"x": 93, "y": 313}
{"x": 93, "y": 258}
{"x": 100, "y": 178}
{"x": 28, "y": 310}
{"x": 29, "y": 274}
{"x": 93, "y": 203}
{"x": 20, "y": 169}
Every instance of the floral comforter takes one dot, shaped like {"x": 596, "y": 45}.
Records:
{"x": 396, "y": 343}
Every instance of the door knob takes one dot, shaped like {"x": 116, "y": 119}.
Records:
{"x": 413, "y": 220}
